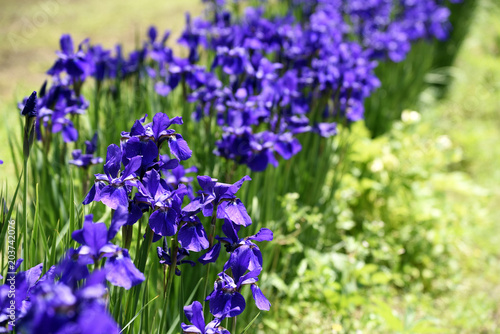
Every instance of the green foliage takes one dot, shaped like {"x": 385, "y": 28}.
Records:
{"x": 393, "y": 228}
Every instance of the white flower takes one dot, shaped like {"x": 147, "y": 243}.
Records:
{"x": 410, "y": 116}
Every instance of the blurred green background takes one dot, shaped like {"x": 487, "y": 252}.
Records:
{"x": 446, "y": 161}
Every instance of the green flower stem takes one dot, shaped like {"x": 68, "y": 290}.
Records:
{"x": 233, "y": 330}
{"x": 25, "y": 211}
{"x": 127, "y": 231}
{"x": 170, "y": 277}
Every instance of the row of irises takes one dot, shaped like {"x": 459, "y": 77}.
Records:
{"x": 269, "y": 78}
{"x": 152, "y": 184}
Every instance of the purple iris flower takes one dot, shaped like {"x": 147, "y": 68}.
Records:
{"x": 164, "y": 254}
{"x": 262, "y": 146}
{"x": 287, "y": 146}
{"x": 177, "y": 176}
{"x": 25, "y": 282}
{"x": 326, "y": 129}
{"x": 245, "y": 255}
{"x": 55, "y": 106}
{"x": 157, "y": 50}
{"x": 58, "y": 308}
{"x": 223, "y": 196}
{"x": 166, "y": 204}
{"x": 158, "y": 131}
{"x": 65, "y": 126}
{"x": 86, "y": 160}
{"x": 190, "y": 39}
{"x": 112, "y": 188}
{"x": 73, "y": 63}
{"x": 194, "y": 314}
{"x": 145, "y": 149}
{"x": 233, "y": 61}
{"x": 100, "y": 62}
{"x": 95, "y": 240}
{"x": 226, "y": 299}
{"x": 192, "y": 235}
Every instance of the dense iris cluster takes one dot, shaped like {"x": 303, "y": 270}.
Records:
{"x": 287, "y": 75}
{"x": 271, "y": 78}
{"x": 141, "y": 181}
{"x": 155, "y": 185}
{"x": 69, "y": 294}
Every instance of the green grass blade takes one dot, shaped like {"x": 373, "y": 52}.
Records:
{"x": 137, "y": 314}
{"x": 250, "y": 323}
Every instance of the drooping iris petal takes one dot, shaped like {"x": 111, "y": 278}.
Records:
{"x": 235, "y": 211}
{"x": 168, "y": 163}
{"x": 250, "y": 277}
{"x": 260, "y": 300}
{"x": 135, "y": 214}
{"x": 288, "y": 148}
{"x": 191, "y": 329}
{"x": 212, "y": 255}
{"x": 259, "y": 161}
{"x": 226, "y": 304}
{"x": 102, "y": 322}
{"x": 179, "y": 147}
{"x": 264, "y": 234}
{"x": 94, "y": 193}
{"x": 120, "y": 217}
{"x": 114, "y": 197}
{"x": 192, "y": 236}
{"x": 122, "y": 272}
{"x": 163, "y": 222}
